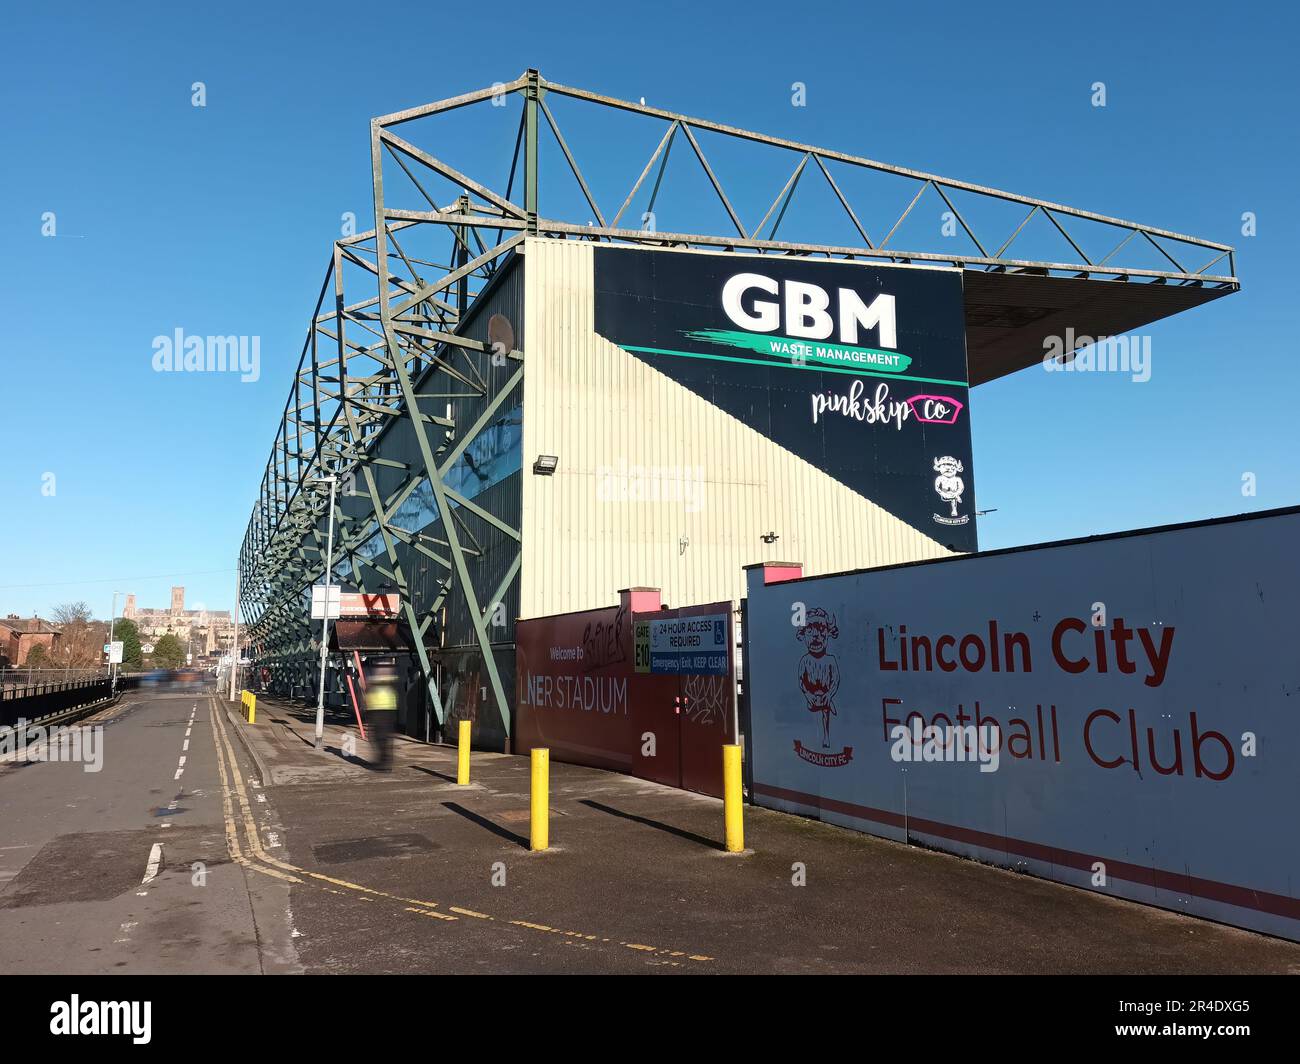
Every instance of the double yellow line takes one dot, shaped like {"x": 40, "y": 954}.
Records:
{"x": 249, "y": 852}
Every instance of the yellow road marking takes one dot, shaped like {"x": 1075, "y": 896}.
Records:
{"x": 532, "y": 927}
{"x": 429, "y": 912}
{"x": 232, "y": 830}
{"x": 284, "y": 870}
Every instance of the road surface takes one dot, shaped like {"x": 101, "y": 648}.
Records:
{"x": 127, "y": 869}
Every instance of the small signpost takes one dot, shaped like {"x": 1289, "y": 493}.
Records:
{"x": 326, "y": 600}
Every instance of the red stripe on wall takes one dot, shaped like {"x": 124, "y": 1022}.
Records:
{"x": 1156, "y": 878}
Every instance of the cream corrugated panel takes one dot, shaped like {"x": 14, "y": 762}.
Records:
{"x": 599, "y": 409}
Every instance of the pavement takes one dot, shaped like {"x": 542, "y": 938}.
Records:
{"x": 204, "y": 843}
{"x": 407, "y": 872}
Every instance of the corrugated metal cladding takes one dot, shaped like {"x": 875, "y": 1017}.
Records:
{"x": 656, "y": 486}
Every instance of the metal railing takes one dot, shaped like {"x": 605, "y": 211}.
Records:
{"x": 30, "y": 676}
{"x": 37, "y": 701}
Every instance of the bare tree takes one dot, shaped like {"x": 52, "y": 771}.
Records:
{"x": 81, "y": 638}
{"x": 71, "y": 613}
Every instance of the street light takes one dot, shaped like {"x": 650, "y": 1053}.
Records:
{"x": 234, "y": 645}
{"x": 325, "y": 613}
{"x": 112, "y": 617}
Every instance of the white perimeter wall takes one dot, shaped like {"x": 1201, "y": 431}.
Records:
{"x": 1221, "y": 598}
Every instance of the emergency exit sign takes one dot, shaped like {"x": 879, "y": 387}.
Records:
{"x": 685, "y": 645}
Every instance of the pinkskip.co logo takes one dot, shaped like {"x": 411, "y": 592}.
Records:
{"x": 935, "y": 409}
{"x": 819, "y": 679}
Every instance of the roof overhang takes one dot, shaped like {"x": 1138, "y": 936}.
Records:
{"x": 1011, "y": 317}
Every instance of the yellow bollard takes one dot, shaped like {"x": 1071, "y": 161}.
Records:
{"x": 252, "y": 709}
{"x": 540, "y": 833}
{"x": 733, "y": 811}
{"x": 462, "y": 754}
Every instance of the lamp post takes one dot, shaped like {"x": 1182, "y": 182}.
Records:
{"x": 112, "y": 617}
{"x": 234, "y": 649}
{"x": 325, "y": 614}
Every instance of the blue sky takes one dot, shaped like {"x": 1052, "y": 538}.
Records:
{"x": 218, "y": 220}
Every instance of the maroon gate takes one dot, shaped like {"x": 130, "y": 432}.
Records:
{"x": 635, "y": 688}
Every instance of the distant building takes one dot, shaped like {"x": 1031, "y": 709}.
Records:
{"x": 19, "y": 635}
{"x": 203, "y": 632}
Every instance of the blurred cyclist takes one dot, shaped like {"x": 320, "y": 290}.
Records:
{"x": 381, "y": 711}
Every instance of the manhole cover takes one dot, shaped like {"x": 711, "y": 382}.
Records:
{"x": 378, "y": 846}
{"x": 515, "y": 816}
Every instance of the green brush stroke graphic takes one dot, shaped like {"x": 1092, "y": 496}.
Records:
{"x": 863, "y": 359}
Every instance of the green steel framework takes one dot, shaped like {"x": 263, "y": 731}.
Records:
{"x": 360, "y": 363}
